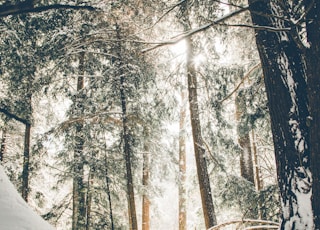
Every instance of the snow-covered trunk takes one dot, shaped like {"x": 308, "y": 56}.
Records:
{"x": 284, "y": 75}
{"x": 200, "y": 150}
{"x": 313, "y": 73}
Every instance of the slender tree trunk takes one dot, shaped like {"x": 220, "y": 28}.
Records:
{"x": 145, "y": 181}
{"x": 108, "y": 192}
{"x": 79, "y": 210}
{"x": 3, "y": 144}
{"x": 285, "y": 81}
{"x": 199, "y": 148}
{"x": 258, "y": 182}
{"x": 313, "y": 72}
{"x": 26, "y": 162}
{"x": 182, "y": 162}
{"x": 127, "y": 138}
{"x": 89, "y": 197}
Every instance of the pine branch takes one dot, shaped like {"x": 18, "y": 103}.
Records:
{"x": 28, "y": 7}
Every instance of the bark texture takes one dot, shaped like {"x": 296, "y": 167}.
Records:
{"x": 313, "y": 74}
{"x": 285, "y": 79}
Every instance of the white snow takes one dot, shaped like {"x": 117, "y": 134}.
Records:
{"x": 15, "y": 214}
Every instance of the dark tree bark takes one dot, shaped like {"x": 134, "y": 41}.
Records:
{"x": 127, "y": 148}
{"x": 26, "y": 163}
{"x": 284, "y": 69}
{"x": 313, "y": 72}
{"x": 127, "y": 136}
{"x": 3, "y": 145}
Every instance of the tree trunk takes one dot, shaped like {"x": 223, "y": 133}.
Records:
{"x": 313, "y": 72}
{"x": 26, "y": 163}
{"x": 246, "y": 163}
{"x": 258, "y": 182}
{"x": 145, "y": 182}
{"x": 89, "y": 197}
{"x": 284, "y": 75}
{"x": 79, "y": 210}
{"x": 3, "y": 144}
{"x": 182, "y": 162}
{"x": 108, "y": 192}
{"x": 199, "y": 148}
{"x": 127, "y": 138}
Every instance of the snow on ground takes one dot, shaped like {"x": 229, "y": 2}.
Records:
{"x": 15, "y": 214}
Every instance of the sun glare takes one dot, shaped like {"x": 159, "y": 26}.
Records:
{"x": 179, "y": 48}
{"x": 199, "y": 59}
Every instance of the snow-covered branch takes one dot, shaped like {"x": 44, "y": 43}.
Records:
{"x": 189, "y": 33}
{"x": 28, "y": 7}
{"x": 265, "y": 223}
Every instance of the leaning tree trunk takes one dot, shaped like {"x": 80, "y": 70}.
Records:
{"x": 199, "y": 147}
{"x": 313, "y": 72}
{"x": 285, "y": 81}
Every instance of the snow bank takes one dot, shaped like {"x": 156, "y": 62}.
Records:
{"x": 15, "y": 214}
